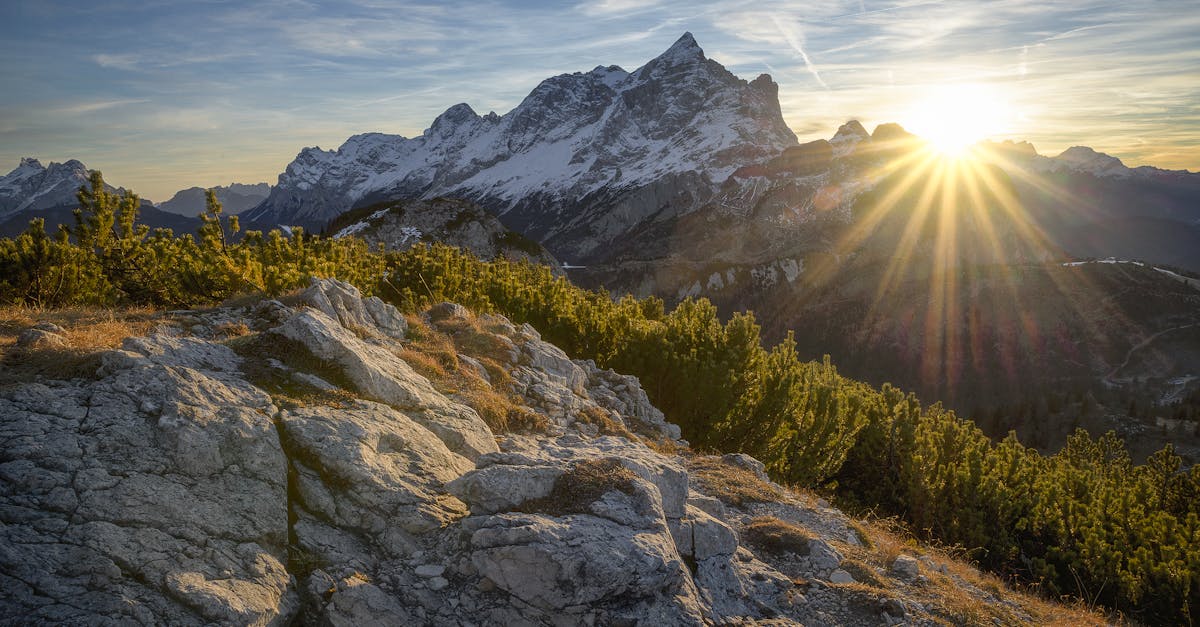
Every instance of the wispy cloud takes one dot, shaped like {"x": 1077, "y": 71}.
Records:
{"x": 117, "y": 61}
{"x": 155, "y": 93}
{"x": 795, "y": 38}
{"x": 92, "y": 107}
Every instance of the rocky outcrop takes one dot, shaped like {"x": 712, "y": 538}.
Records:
{"x": 156, "y": 494}
{"x": 402, "y": 224}
{"x": 196, "y": 480}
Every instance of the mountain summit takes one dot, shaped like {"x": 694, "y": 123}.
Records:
{"x": 33, "y": 186}
{"x": 584, "y": 158}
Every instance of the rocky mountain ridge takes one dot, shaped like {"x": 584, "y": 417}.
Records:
{"x": 32, "y": 186}
{"x": 286, "y": 464}
{"x": 400, "y": 225}
{"x": 33, "y": 190}
{"x": 584, "y": 158}
{"x": 235, "y": 198}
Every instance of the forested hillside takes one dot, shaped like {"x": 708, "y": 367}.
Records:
{"x": 1085, "y": 522}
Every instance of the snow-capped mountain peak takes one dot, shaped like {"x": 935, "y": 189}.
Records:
{"x": 556, "y": 166}
{"x": 1084, "y": 159}
{"x": 34, "y": 186}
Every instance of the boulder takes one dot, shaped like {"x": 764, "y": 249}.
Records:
{"x": 344, "y": 303}
{"x": 906, "y": 567}
{"x": 710, "y": 537}
{"x": 553, "y": 564}
{"x": 380, "y": 375}
{"x": 502, "y": 488}
{"x": 156, "y": 494}
{"x": 42, "y": 335}
{"x": 372, "y": 471}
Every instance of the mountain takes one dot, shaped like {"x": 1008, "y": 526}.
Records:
{"x": 1093, "y": 206}
{"x": 33, "y": 186}
{"x": 235, "y": 198}
{"x": 36, "y": 191}
{"x": 581, "y": 161}
{"x": 399, "y": 225}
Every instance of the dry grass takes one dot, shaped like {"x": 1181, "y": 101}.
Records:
{"x": 434, "y": 353}
{"x": 604, "y": 423}
{"x": 475, "y": 337}
{"x": 777, "y": 536}
{"x": 731, "y": 484}
{"x": 585, "y": 483}
{"x": 88, "y": 332}
{"x": 962, "y": 595}
{"x": 257, "y": 351}
{"x": 231, "y": 329}
{"x": 86, "y": 328}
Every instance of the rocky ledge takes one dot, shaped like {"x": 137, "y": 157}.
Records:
{"x": 288, "y": 464}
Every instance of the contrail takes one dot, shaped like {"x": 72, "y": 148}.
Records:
{"x": 795, "y": 43}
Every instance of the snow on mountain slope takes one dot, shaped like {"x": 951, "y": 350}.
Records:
{"x": 34, "y": 186}
{"x": 584, "y": 158}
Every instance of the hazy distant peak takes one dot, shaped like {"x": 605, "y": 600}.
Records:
{"x": 847, "y": 137}
{"x": 235, "y": 198}
{"x": 1083, "y": 155}
{"x": 852, "y": 130}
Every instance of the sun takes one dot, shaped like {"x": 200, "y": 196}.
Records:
{"x": 953, "y": 118}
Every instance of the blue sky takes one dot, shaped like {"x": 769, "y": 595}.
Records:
{"x": 164, "y": 95}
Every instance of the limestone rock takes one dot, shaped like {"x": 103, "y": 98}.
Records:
{"x": 42, "y": 335}
{"x": 906, "y": 567}
{"x": 154, "y": 495}
{"x": 553, "y": 564}
{"x": 359, "y": 602}
{"x": 711, "y": 537}
{"x": 501, "y": 488}
{"x": 840, "y": 576}
{"x": 344, "y": 303}
{"x": 666, "y": 474}
{"x": 746, "y": 462}
{"x": 386, "y": 470}
{"x": 382, "y": 376}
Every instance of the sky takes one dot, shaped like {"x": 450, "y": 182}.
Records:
{"x": 162, "y": 95}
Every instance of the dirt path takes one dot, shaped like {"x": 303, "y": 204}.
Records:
{"x": 1108, "y": 378}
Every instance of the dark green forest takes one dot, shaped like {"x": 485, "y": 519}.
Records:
{"x": 1085, "y": 522}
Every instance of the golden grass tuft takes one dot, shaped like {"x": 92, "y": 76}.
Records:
{"x": 434, "y": 353}
{"x": 777, "y": 536}
{"x": 583, "y": 484}
{"x": 731, "y": 484}
{"x": 88, "y": 333}
{"x": 259, "y": 349}
{"x": 604, "y": 423}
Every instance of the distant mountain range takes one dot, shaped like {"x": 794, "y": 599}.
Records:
{"x": 235, "y": 198}
{"x": 33, "y": 190}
